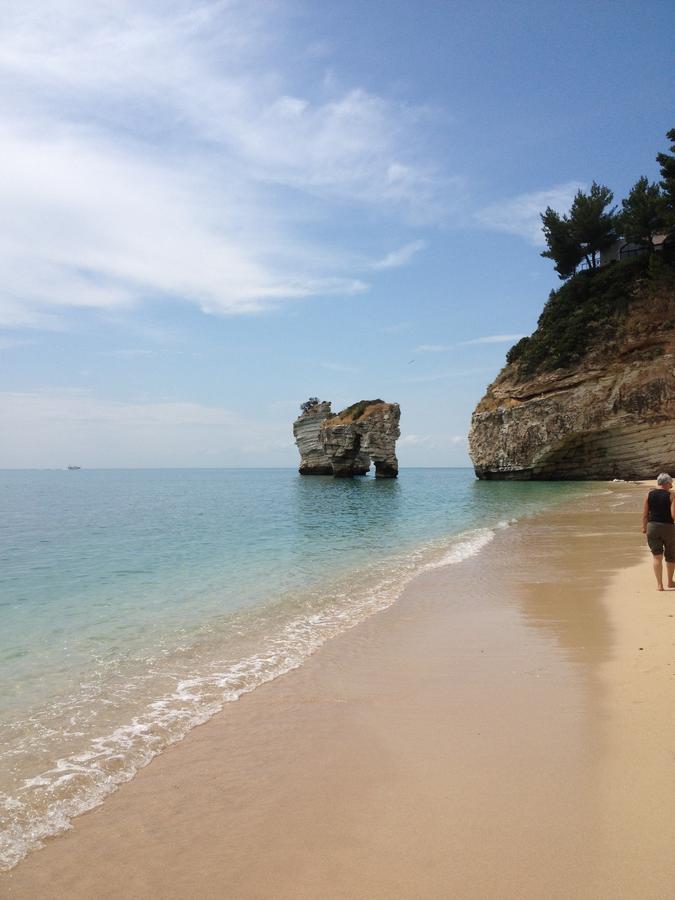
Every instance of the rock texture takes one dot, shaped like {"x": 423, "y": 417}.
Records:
{"x": 344, "y": 444}
{"x": 612, "y": 416}
{"x": 306, "y": 431}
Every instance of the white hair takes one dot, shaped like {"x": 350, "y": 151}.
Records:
{"x": 664, "y": 478}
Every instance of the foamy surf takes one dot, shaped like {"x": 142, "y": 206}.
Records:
{"x": 45, "y": 803}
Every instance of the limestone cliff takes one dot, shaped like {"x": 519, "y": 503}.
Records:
{"x": 609, "y": 411}
{"x": 344, "y": 444}
{"x": 306, "y": 431}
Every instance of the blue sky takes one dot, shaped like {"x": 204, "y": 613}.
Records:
{"x": 214, "y": 210}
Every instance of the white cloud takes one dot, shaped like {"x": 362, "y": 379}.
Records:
{"x": 431, "y": 441}
{"x": 443, "y": 376}
{"x": 400, "y": 257}
{"x": 159, "y": 151}
{"x": 488, "y": 339}
{"x": 415, "y": 440}
{"x": 493, "y": 339}
{"x": 432, "y": 348}
{"x": 521, "y": 215}
{"x": 55, "y": 427}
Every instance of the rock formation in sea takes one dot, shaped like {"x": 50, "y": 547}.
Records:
{"x": 306, "y": 431}
{"x": 344, "y": 444}
{"x": 590, "y": 395}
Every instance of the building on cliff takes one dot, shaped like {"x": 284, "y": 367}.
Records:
{"x": 590, "y": 395}
{"x": 344, "y": 444}
{"x": 622, "y": 249}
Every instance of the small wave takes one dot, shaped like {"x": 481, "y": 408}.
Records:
{"x": 45, "y": 804}
{"x": 465, "y": 548}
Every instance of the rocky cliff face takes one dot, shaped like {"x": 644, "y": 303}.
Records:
{"x": 344, "y": 444}
{"x": 609, "y": 416}
{"x": 306, "y": 431}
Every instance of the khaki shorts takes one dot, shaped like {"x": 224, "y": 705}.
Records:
{"x": 661, "y": 538}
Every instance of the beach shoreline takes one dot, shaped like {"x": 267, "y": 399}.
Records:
{"x": 495, "y": 732}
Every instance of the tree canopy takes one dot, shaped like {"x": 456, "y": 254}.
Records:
{"x": 644, "y": 213}
{"x": 667, "y": 163}
{"x": 562, "y": 248}
{"x": 592, "y": 224}
{"x": 588, "y": 229}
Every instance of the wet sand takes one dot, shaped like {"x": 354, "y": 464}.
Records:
{"x": 497, "y": 733}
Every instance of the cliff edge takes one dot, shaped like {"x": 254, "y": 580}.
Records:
{"x": 590, "y": 394}
{"x": 343, "y": 444}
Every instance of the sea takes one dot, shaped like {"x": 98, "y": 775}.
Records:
{"x": 135, "y": 604}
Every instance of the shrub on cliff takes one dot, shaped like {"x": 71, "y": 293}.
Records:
{"x": 309, "y": 404}
{"x": 578, "y": 315}
{"x": 356, "y": 410}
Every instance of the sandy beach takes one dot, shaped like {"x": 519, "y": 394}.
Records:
{"x": 504, "y": 730}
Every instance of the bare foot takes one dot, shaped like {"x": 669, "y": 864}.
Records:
{"x": 660, "y": 587}
{"x": 671, "y": 584}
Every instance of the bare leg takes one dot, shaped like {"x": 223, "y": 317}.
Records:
{"x": 670, "y": 568}
{"x": 658, "y": 569}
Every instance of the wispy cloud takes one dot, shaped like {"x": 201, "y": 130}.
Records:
{"x": 487, "y": 339}
{"x": 154, "y": 151}
{"x": 432, "y": 348}
{"x": 493, "y": 339}
{"x": 521, "y": 215}
{"x": 54, "y": 427}
{"x": 415, "y": 440}
{"x": 431, "y": 441}
{"x": 400, "y": 257}
{"x": 443, "y": 376}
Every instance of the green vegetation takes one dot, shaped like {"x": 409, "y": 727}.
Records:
{"x": 583, "y": 234}
{"x": 585, "y": 310}
{"x": 667, "y": 163}
{"x": 593, "y": 225}
{"x": 644, "y": 213}
{"x": 356, "y": 410}
{"x": 309, "y": 404}
{"x": 579, "y": 313}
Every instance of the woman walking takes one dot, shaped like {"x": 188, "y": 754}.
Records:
{"x": 658, "y": 523}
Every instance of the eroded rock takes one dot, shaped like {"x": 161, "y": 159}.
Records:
{"x": 609, "y": 417}
{"x": 344, "y": 444}
{"x": 306, "y": 431}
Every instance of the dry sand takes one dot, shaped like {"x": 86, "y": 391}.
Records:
{"x": 497, "y": 733}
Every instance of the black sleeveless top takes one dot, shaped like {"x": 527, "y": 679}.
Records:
{"x": 659, "y": 506}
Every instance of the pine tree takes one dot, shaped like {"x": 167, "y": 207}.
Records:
{"x": 592, "y": 225}
{"x": 562, "y": 248}
{"x": 644, "y": 214}
{"x": 667, "y": 163}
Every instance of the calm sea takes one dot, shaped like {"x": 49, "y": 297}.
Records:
{"x": 134, "y": 604}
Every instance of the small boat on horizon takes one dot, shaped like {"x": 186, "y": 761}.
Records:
{"x": 72, "y": 468}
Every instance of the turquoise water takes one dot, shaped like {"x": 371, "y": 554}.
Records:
{"x": 134, "y": 604}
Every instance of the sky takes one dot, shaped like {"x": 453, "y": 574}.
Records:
{"x": 214, "y": 210}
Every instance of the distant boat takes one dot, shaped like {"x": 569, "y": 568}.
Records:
{"x": 72, "y": 468}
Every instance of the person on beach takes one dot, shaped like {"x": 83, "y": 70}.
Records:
{"x": 658, "y": 523}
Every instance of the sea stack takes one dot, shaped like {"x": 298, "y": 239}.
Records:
{"x": 344, "y": 444}
{"x": 590, "y": 394}
{"x": 306, "y": 431}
